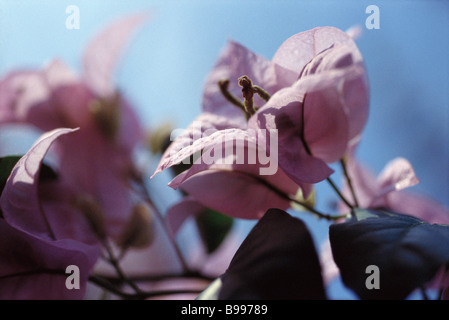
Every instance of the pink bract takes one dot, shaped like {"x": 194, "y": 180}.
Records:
{"x": 36, "y": 246}
{"x": 97, "y": 159}
{"x": 387, "y": 191}
{"x": 323, "y": 64}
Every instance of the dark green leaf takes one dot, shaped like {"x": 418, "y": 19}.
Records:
{"x": 277, "y": 260}
{"x": 47, "y": 173}
{"x": 213, "y": 227}
{"x": 407, "y": 251}
{"x": 6, "y": 166}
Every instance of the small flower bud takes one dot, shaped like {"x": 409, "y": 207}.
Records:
{"x": 106, "y": 114}
{"x": 309, "y": 201}
{"x": 139, "y": 231}
{"x": 158, "y": 140}
{"x": 91, "y": 209}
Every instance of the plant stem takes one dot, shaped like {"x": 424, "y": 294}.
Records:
{"x": 111, "y": 258}
{"x": 105, "y": 284}
{"x": 223, "y": 85}
{"x": 147, "y": 198}
{"x": 424, "y": 293}
{"x": 348, "y": 179}
{"x": 319, "y": 214}
{"x": 339, "y": 193}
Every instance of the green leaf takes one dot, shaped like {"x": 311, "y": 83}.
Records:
{"x": 6, "y": 166}
{"x": 47, "y": 173}
{"x": 276, "y": 261}
{"x": 212, "y": 291}
{"x": 213, "y": 227}
{"x": 406, "y": 250}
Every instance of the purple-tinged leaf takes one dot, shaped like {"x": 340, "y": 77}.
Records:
{"x": 406, "y": 250}
{"x": 276, "y": 261}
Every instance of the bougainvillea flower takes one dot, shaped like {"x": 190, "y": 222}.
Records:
{"x": 237, "y": 192}
{"x": 224, "y": 178}
{"x": 321, "y": 115}
{"x": 386, "y": 191}
{"x": 323, "y": 64}
{"x": 97, "y": 159}
{"x": 36, "y": 242}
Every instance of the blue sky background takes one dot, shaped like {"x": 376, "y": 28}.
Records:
{"x": 406, "y": 60}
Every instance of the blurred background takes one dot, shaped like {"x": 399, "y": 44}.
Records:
{"x": 164, "y": 69}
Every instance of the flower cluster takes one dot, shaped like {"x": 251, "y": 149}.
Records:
{"x": 269, "y": 131}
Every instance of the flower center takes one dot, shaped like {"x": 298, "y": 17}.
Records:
{"x": 248, "y": 91}
{"x": 106, "y": 114}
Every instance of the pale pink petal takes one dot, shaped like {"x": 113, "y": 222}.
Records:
{"x": 299, "y": 49}
{"x": 191, "y": 145}
{"x": 326, "y": 126}
{"x": 337, "y": 56}
{"x": 418, "y": 205}
{"x": 233, "y": 193}
{"x": 69, "y": 104}
{"x": 205, "y": 124}
{"x": 243, "y": 154}
{"x": 19, "y": 91}
{"x": 350, "y": 85}
{"x": 398, "y": 174}
{"x": 355, "y": 96}
{"x": 103, "y": 52}
{"x": 278, "y": 182}
{"x": 178, "y": 213}
{"x": 355, "y": 32}
{"x": 19, "y": 200}
{"x": 57, "y": 73}
{"x": 341, "y": 94}
{"x": 282, "y": 113}
{"x": 298, "y": 164}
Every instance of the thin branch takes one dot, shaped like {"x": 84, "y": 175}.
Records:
{"x": 147, "y": 198}
{"x": 319, "y": 214}
{"x": 111, "y": 259}
{"x": 103, "y": 283}
{"x": 339, "y": 193}
{"x": 348, "y": 179}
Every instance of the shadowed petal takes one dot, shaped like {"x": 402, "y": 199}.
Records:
{"x": 33, "y": 268}
{"x": 182, "y": 210}
{"x": 19, "y": 200}
{"x": 230, "y": 192}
